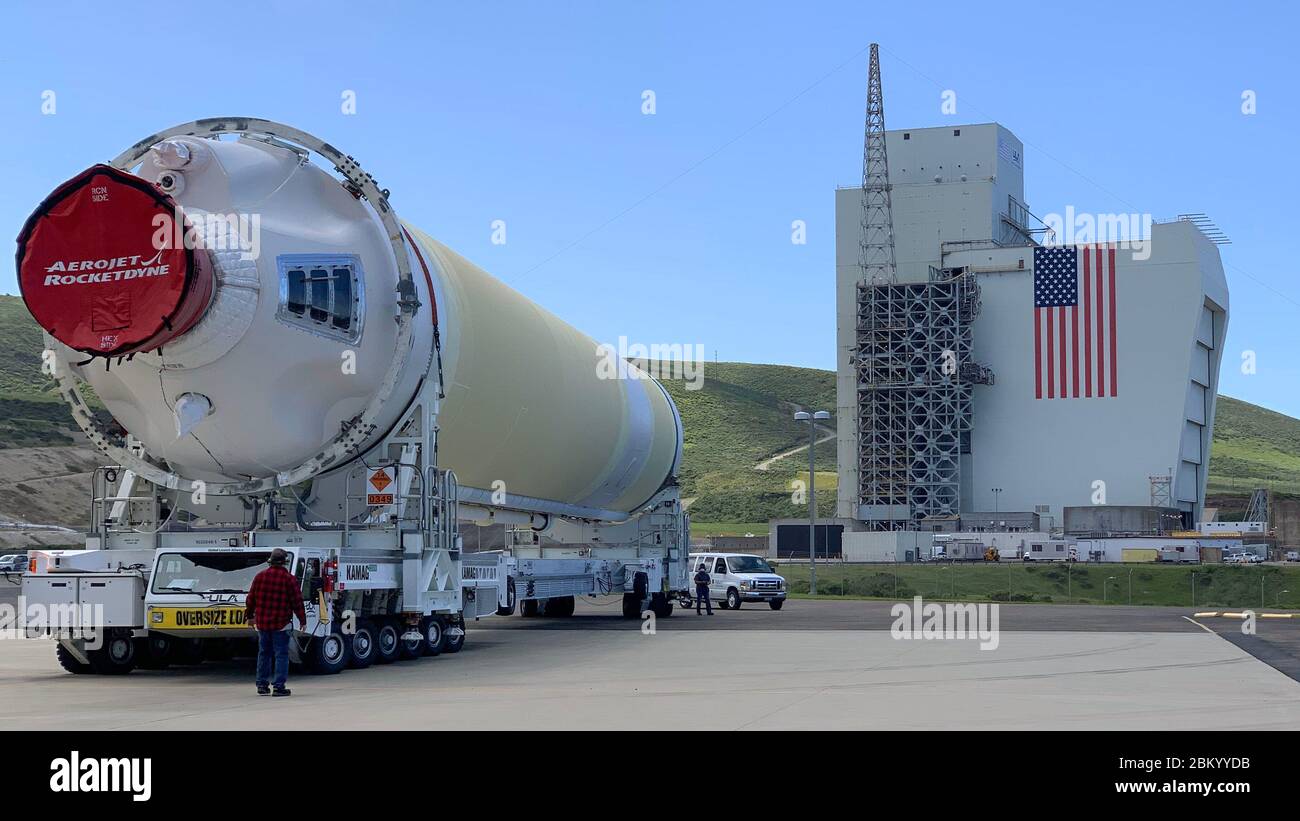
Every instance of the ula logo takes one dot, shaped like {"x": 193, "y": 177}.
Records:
{"x": 128, "y": 775}
{"x": 951, "y": 621}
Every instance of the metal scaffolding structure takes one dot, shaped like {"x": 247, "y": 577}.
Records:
{"x": 915, "y": 376}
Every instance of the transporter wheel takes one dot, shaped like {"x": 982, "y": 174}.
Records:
{"x": 187, "y": 651}
{"x": 218, "y": 650}
{"x": 408, "y": 648}
{"x": 661, "y": 605}
{"x": 153, "y": 652}
{"x": 328, "y": 654}
{"x": 631, "y": 606}
{"x": 450, "y": 643}
{"x": 775, "y": 604}
{"x": 388, "y": 643}
{"x": 362, "y": 648}
{"x": 528, "y": 608}
{"x": 69, "y": 662}
{"x": 733, "y": 599}
{"x": 434, "y": 635}
{"x": 116, "y": 657}
{"x": 560, "y": 607}
{"x": 509, "y": 609}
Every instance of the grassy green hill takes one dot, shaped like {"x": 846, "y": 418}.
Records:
{"x": 741, "y": 417}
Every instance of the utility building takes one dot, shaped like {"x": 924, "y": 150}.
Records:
{"x": 997, "y": 362}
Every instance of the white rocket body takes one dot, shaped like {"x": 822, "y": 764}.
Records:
{"x": 296, "y": 338}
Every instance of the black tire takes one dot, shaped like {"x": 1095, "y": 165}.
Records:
{"x": 388, "y": 642}
{"x": 661, "y": 606}
{"x": 509, "y": 609}
{"x": 153, "y": 652}
{"x": 775, "y": 604}
{"x": 454, "y": 644}
{"x": 435, "y": 634}
{"x": 528, "y": 608}
{"x": 187, "y": 651}
{"x": 362, "y": 646}
{"x": 687, "y": 603}
{"x": 218, "y": 650}
{"x": 733, "y": 599}
{"x": 559, "y": 607}
{"x": 631, "y": 606}
{"x": 409, "y": 648}
{"x": 722, "y": 605}
{"x": 328, "y": 654}
{"x": 116, "y": 657}
{"x": 69, "y": 662}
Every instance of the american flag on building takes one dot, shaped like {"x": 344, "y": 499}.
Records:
{"x": 1075, "y": 338}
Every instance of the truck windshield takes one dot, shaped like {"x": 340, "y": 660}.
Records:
{"x": 208, "y": 572}
{"x": 748, "y": 564}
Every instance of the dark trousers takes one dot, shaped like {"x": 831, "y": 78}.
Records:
{"x": 702, "y": 595}
{"x": 272, "y": 648}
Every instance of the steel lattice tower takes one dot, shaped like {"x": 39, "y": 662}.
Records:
{"x": 913, "y": 361}
{"x": 876, "y": 245}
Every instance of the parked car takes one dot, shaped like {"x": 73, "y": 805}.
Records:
{"x": 1293, "y": 555}
{"x": 1235, "y": 558}
{"x": 735, "y": 578}
{"x": 13, "y": 563}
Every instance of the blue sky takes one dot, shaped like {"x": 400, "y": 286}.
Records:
{"x": 675, "y": 227}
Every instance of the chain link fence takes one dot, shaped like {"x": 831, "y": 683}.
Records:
{"x": 1254, "y": 586}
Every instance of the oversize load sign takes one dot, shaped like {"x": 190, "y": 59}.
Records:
{"x": 377, "y": 482}
{"x": 197, "y": 618}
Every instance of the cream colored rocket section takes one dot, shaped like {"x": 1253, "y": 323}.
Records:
{"x": 530, "y": 402}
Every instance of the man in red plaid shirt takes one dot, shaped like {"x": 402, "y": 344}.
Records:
{"x": 274, "y": 599}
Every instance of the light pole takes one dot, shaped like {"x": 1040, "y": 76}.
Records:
{"x": 1130, "y": 585}
{"x": 996, "y": 491}
{"x": 812, "y": 419}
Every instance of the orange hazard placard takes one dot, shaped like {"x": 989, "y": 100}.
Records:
{"x": 379, "y": 480}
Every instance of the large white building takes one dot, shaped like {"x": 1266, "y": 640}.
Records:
{"x": 1103, "y": 379}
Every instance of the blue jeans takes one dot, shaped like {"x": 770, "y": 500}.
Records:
{"x": 272, "y": 645}
{"x": 702, "y": 595}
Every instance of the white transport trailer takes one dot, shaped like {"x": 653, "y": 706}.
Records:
{"x": 349, "y": 390}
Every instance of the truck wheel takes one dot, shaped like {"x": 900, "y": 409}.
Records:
{"x": 116, "y": 657}
{"x": 431, "y": 627}
{"x": 153, "y": 652}
{"x": 560, "y": 607}
{"x": 661, "y": 606}
{"x": 722, "y": 605}
{"x": 328, "y": 654}
{"x": 509, "y": 609}
{"x": 631, "y": 606}
{"x": 187, "y": 651}
{"x": 528, "y": 608}
{"x": 388, "y": 645}
{"x": 361, "y": 645}
{"x": 775, "y": 604}
{"x": 409, "y": 648}
{"x": 69, "y": 662}
{"x": 733, "y": 599}
{"x": 450, "y": 643}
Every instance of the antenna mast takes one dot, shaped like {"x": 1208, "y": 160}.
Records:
{"x": 876, "y": 251}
